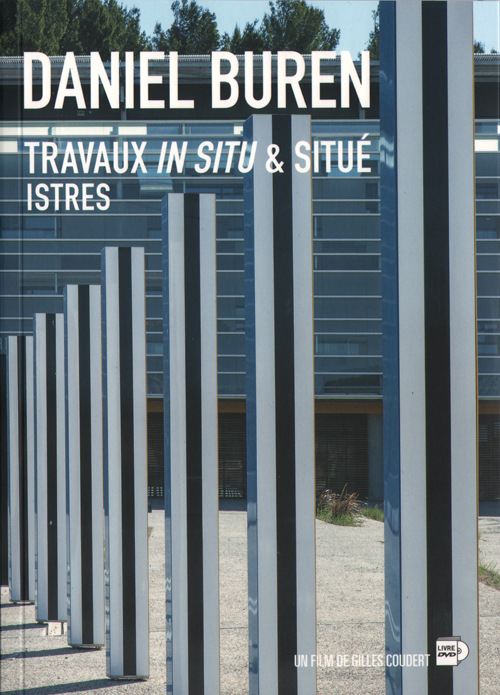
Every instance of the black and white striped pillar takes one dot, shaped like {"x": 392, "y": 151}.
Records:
{"x": 82, "y": 318}
{"x": 280, "y": 409}
{"x": 428, "y": 292}
{"x": 21, "y": 468}
{"x": 125, "y": 462}
{"x": 191, "y": 460}
{"x": 50, "y": 464}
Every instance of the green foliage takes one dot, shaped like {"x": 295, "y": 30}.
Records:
{"x": 57, "y": 26}
{"x": 250, "y": 39}
{"x": 104, "y": 26}
{"x": 32, "y": 25}
{"x": 293, "y": 25}
{"x": 341, "y": 520}
{"x": 479, "y": 47}
{"x": 375, "y": 513}
{"x": 373, "y": 37}
{"x": 489, "y": 575}
{"x": 343, "y": 509}
{"x": 193, "y": 32}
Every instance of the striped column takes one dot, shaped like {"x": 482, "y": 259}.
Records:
{"x": 428, "y": 291}
{"x": 4, "y": 558}
{"x": 50, "y": 465}
{"x": 280, "y": 410}
{"x": 82, "y": 318}
{"x": 125, "y": 462}
{"x": 191, "y": 461}
{"x": 21, "y": 468}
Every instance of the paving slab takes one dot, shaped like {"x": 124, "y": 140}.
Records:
{"x": 350, "y": 620}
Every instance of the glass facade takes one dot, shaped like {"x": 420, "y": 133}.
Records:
{"x": 56, "y": 218}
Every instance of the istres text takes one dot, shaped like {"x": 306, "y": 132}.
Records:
{"x": 51, "y": 159}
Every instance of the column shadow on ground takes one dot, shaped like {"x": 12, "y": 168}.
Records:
{"x": 79, "y": 687}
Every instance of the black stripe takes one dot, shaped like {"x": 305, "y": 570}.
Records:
{"x": 285, "y": 412}
{"x": 193, "y": 442}
{"x": 4, "y": 572}
{"x": 127, "y": 458}
{"x": 437, "y": 336}
{"x": 85, "y": 465}
{"x": 52, "y": 559}
{"x": 23, "y": 468}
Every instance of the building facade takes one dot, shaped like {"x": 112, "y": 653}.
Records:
{"x": 52, "y": 236}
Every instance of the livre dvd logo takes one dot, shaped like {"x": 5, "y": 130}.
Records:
{"x": 450, "y": 651}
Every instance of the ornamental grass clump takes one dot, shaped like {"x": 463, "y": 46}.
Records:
{"x": 343, "y": 509}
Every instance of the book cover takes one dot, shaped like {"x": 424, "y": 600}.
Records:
{"x": 107, "y": 109}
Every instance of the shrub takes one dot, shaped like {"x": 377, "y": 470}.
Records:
{"x": 343, "y": 509}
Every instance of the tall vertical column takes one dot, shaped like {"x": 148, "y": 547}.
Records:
{"x": 4, "y": 558}
{"x": 125, "y": 462}
{"x": 280, "y": 409}
{"x": 428, "y": 293}
{"x": 85, "y": 531}
{"x": 191, "y": 461}
{"x": 21, "y": 468}
{"x": 50, "y": 464}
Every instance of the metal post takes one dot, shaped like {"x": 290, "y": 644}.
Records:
{"x": 85, "y": 530}
{"x": 428, "y": 294}
{"x": 191, "y": 461}
{"x": 280, "y": 409}
{"x": 50, "y": 467}
{"x": 125, "y": 462}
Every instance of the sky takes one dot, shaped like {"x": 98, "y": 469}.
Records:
{"x": 354, "y": 18}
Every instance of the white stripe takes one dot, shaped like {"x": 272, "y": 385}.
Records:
{"x": 97, "y": 471}
{"x": 210, "y": 465}
{"x": 178, "y": 441}
{"x": 13, "y": 470}
{"x": 112, "y": 460}
{"x": 463, "y": 341}
{"x": 305, "y": 493}
{"x": 62, "y": 566}
{"x": 40, "y": 341}
{"x": 74, "y": 546}
{"x": 411, "y": 338}
{"x": 265, "y": 411}
{"x": 140, "y": 460}
{"x": 30, "y": 442}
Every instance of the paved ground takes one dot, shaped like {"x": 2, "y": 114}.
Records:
{"x": 349, "y": 608}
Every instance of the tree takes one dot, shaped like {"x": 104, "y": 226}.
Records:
{"x": 54, "y": 27}
{"x": 373, "y": 38}
{"x": 32, "y": 25}
{"x": 293, "y": 25}
{"x": 103, "y": 26}
{"x": 479, "y": 47}
{"x": 250, "y": 40}
{"x": 193, "y": 31}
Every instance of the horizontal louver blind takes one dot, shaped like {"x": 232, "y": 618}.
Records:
{"x": 232, "y": 455}
{"x": 342, "y": 453}
{"x": 489, "y": 457}
{"x": 155, "y": 455}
